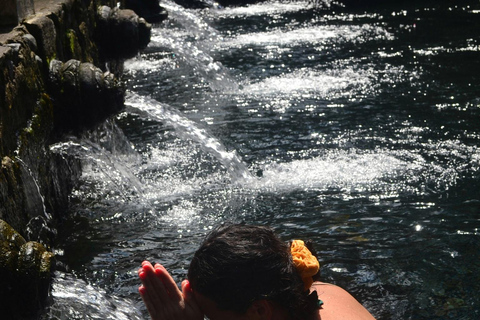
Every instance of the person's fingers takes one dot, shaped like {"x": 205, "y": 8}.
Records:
{"x": 187, "y": 290}
{"x": 151, "y": 306}
{"x": 155, "y": 295}
{"x": 188, "y": 294}
{"x": 190, "y": 301}
{"x": 168, "y": 281}
{"x": 150, "y": 294}
{"x": 154, "y": 284}
{"x": 162, "y": 296}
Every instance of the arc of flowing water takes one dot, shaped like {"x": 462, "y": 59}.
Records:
{"x": 118, "y": 173}
{"x": 195, "y": 54}
{"x": 37, "y": 228}
{"x": 38, "y": 193}
{"x": 189, "y": 129}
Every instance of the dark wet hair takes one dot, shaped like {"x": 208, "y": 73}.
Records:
{"x": 239, "y": 264}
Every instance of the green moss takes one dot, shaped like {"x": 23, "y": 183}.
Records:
{"x": 9, "y": 237}
{"x": 71, "y": 36}
{"x": 29, "y": 258}
{"x": 36, "y": 133}
{"x": 45, "y": 110}
{"x": 25, "y": 271}
{"x": 46, "y": 264}
{"x": 73, "y": 44}
{"x": 53, "y": 57}
{"x": 10, "y": 243}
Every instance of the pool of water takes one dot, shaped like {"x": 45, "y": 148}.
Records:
{"x": 356, "y": 128}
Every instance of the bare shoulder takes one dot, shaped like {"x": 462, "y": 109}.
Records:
{"x": 339, "y": 304}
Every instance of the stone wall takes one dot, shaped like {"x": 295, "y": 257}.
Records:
{"x": 53, "y": 82}
{"x": 14, "y": 11}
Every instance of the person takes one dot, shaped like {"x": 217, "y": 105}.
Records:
{"x": 243, "y": 272}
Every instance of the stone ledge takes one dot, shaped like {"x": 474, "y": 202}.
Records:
{"x": 48, "y": 6}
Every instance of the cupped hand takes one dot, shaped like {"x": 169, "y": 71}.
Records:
{"x": 163, "y": 298}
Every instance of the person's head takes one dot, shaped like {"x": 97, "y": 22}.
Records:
{"x": 240, "y": 266}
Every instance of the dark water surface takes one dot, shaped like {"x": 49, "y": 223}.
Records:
{"x": 358, "y": 129}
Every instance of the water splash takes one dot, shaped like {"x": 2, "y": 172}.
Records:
{"x": 189, "y": 129}
{"x": 311, "y": 36}
{"x": 108, "y": 164}
{"x": 273, "y": 7}
{"x": 75, "y": 299}
{"x": 307, "y": 83}
{"x": 190, "y": 39}
{"x": 350, "y": 172}
{"x": 188, "y": 20}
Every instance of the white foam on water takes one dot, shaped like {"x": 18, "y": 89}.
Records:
{"x": 308, "y": 82}
{"x": 313, "y": 35}
{"x": 267, "y": 8}
{"x": 149, "y": 65}
{"x": 76, "y": 299}
{"x": 349, "y": 171}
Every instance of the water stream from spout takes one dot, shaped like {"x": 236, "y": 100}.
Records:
{"x": 34, "y": 192}
{"x": 189, "y": 129}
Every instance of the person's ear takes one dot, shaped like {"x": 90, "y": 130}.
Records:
{"x": 260, "y": 310}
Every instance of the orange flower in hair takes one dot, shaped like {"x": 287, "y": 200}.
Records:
{"x": 305, "y": 262}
